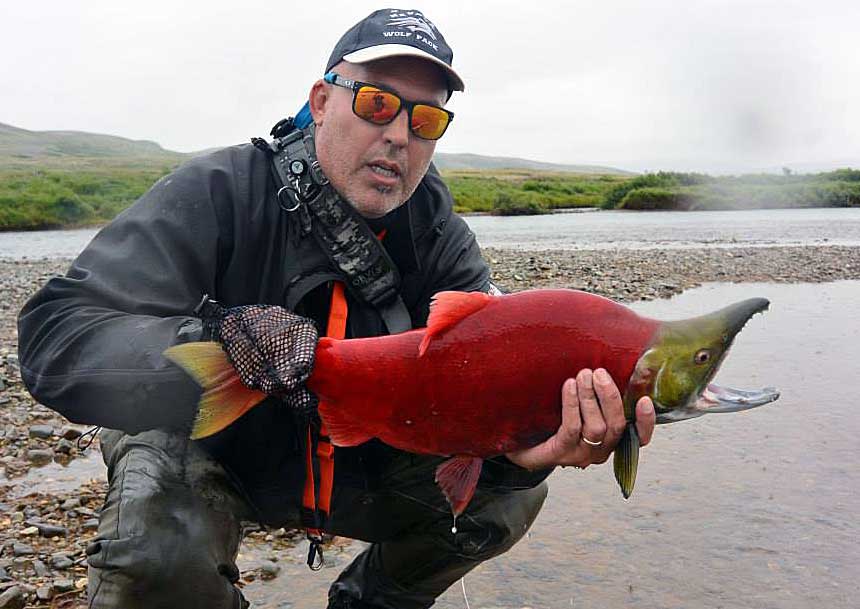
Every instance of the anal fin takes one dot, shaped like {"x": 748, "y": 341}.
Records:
{"x": 458, "y": 477}
{"x": 626, "y": 461}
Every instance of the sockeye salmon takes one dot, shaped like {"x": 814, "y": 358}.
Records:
{"x": 484, "y": 378}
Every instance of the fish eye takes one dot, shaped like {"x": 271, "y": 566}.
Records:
{"x": 702, "y": 356}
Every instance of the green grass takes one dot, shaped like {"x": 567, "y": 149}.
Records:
{"x": 52, "y": 198}
{"x": 512, "y": 191}
{"x": 80, "y": 192}
{"x": 694, "y": 191}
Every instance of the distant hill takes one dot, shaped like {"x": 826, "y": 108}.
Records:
{"x": 54, "y": 147}
{"x": 58, "y": 148}
{"x": 450, "y": 161}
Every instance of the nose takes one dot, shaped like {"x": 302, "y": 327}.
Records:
{"x": 397, "y": 131}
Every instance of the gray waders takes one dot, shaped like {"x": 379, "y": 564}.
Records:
{"x": 172, "y": 523}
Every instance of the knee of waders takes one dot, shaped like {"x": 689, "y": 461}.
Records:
{"x": 162, "y": 541}
{"x": 501, "y": 523}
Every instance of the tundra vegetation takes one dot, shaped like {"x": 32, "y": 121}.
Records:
{"x": 41, "y": 195}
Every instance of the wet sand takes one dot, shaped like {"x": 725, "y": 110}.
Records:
{"x": 677, "y": 543}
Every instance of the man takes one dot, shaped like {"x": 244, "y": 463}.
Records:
{"x": 91, "y": 347}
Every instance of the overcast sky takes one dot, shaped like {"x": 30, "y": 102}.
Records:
{"x": 711, "y": 85}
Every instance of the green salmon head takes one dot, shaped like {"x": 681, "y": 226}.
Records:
{"x": 677, "y": 368}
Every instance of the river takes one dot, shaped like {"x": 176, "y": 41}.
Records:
{"x": 580, "y": 230}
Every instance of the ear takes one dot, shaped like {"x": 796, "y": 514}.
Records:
{"x": 318, "y": 98}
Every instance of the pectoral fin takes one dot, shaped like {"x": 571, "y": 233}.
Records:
{"x": 458, "y": 477}
{"x": 627, "y": 460}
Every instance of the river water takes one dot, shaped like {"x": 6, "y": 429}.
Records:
{"x": 581, "y": 230}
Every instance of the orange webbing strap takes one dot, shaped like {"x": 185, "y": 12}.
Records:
{"x": 336, "y": 328}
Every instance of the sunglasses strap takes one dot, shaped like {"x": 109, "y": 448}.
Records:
{"x": 341, "y": 232}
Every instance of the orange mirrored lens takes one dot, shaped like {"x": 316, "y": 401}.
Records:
{"x": 429, "y": 122}
{"x": 376, "y": 106}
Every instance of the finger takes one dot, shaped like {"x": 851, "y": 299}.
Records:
{"x": 646, "y": 418}
{"x": 612, "y": 407}
{"x": 571, "y": 420}
{"x": 593, "y": 425}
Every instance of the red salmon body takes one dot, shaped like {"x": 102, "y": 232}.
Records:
{"x": 484, "y": 378}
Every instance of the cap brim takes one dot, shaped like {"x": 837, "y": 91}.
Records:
{"x": 399, "y": 50}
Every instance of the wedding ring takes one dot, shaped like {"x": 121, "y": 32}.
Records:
{"x": 591, "y": 442}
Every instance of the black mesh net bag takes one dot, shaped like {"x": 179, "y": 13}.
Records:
{"x": 271, "y": 348}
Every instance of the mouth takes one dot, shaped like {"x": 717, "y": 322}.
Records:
{"x": 725, "y": 399}
{"x": 385, "y": 172}
{"x": 715, "y": 399}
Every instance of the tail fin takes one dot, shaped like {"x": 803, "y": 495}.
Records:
{"x": 224, "y": 398}
{"x": 627, "y": 460}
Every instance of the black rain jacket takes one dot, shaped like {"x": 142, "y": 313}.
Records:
{"x": 91, "y": 343}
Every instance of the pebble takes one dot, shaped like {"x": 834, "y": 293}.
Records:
{"x": 70, "y": 504}
{"x": 41, "y": 431}
{"x": 12, "y": 598}
{"x": 22, "y": 549}
{"x": 269, "y": 570}
{"x": 40, "y": 568}
{"x": 44, "y": 593}
{"x": 70, "y": 433}
{"x": 40, "y": 456}
{"x": 64, "y": 447}
{"x": 50, "y": 530}
{"x": 61, "y": 561}
{"x": 64, "y": 585}
{"x": 29, "y": 531}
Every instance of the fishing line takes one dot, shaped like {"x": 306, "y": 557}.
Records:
{"x": 463, "y": 585}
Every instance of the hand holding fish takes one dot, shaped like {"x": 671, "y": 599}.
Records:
{"x": 592, "y": 408}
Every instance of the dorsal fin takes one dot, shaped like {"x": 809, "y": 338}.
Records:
{"x": 448, "y": 308}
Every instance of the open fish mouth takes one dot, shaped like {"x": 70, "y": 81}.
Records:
{"x": 725, "y": 399}
{"x": 714, "y": 399}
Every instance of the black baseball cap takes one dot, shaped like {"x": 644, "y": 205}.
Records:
{"x": 394, "y": 32}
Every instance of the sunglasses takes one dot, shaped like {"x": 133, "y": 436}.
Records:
{"x": 380, "y": 107}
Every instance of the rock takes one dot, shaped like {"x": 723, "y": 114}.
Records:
{"x": 44, "y": 593}
{"x": 30, "y": 531}
{"x": 17, "y": 517}
{"x": 90, "y": 524}
{"x": 269, "y": 570}
{"x": 40, "y": 456}
{"x": 64, "y": 447}
{"x": 22, "y": 549}
{"x": 49, "y": 530}
{"x": 41, "y": 431}
{"x": 4, "y": 575}
{"x": 70, "y": 433}
{"x": 13, "y": 598}
{"x": 63, "y": 585}
{"x": 61, "y": 561}
{"x": 70, "y": 504}
{"x": 41, "y": 568}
